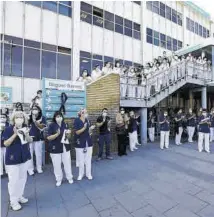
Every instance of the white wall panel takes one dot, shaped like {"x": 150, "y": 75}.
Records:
{"x": 14, "y": 19}
{"x": 168, "y": 28}
{"x": 127, "y": 48}
{"x": 31, "y": 86}
{"x": 109, "y": 6}
{"x": 65, "y": 36}
{"x": 156, "y": 23}
{"x": 149, "y": 19}
{"x": 108, "y": 43}
{"x": 118, "y": 8}
{"x": 97, "y": 40}
{"x": 174, "y": 31}
{"x": 136, "y": 9}
{"x": 147, "y": 56}
{"x": 15, "y": 83}
{"x": 1, "y": 12}
{"x": 137, "y": 51}
{"x": 118, "y": 46}
{"x": 162, "y": 25}
{"x": 85, "y": 36}
{"x": 128, "y": 10}
{"x": 49, "y": 30}
{"x": 32, "y": 22}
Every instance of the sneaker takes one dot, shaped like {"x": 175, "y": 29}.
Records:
{"x": 135, "y": 148}
{"x": 208, "y": 151}
{"x": 90, "y": 177}
{"x": 200, "y": 150}
{"x": 58, "y": 183}
{"x": 138, "y": 144}
{"x": 99, "y": 159}
{"x": 161, "y": 148}
{"x": 40, "y": 171}
{"x": 109, "y": 157}
{"x": 166, "y": 147}
{"x": 70, "y": 181}
{"x": 15, "y": 206}
{"x": 79, "y": 178}
{"x": 31, "y": 173}
{"x": 23, "y": 200}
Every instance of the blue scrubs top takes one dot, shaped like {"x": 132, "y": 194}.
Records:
{"x": 203, "y": 128}
{"x": 36, "y": 132}
{"x": 83, "y": 138}
{"x": 191, "y": 122}
{"x": 165, "y": 125}
{"x": 55, "y": 146}
{"x": 2, "y": 133}
{"x": 16, "y": 153}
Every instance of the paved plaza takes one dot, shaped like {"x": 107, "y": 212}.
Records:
{"x": 178, "y": 182}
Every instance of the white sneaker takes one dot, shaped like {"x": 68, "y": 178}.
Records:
{"x": 90, "y": 177}
{"x": 40, "y": 171}
{"x": 138, "y": 144}
{"x": 135, "y": 148}
{"x": 58, "y": 184}
{"x": 79, "y": 178}
{"x": 166, "y": 147}
{"x": 70, "y": 181}
{"x": 23, "y": 200}
{"x": 31, "y": 173}
{"x": 200, "y": 150}
{"x": 15, "y": 206}
{"x": 208, "y": 151}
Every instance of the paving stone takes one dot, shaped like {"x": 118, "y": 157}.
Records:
{"x": 87, "y": 210}
{"x": 115, "y": 211}
{"x": 179, "y": 212}
{"x": 207, "y": 212}
{"x": 206, "y": 196}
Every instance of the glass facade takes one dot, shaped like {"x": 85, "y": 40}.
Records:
{"x": 162, "y": 40}
{"x": 104, "y": 19}
{"x": 197, "y": 28}
{"x": 165, "y": 11}
{"x": 31, "y": 59}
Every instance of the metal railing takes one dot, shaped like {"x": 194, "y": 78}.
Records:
{"x": 155, "y": 82}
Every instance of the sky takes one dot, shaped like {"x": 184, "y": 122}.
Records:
{"x": 207, "y": 5}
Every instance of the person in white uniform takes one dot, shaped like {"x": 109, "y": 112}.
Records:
{"x": 16, "y": 139}
{"x": 85, "y": 77}
{"x": 59, "y": 148}
{"x": 132, "y": 83}
{"x": 83, "y": 143}
{"x": 123, "y": 82}
{"x": 191, "y": 125}
{"x": 96, "y": 73}
{"x": 151, "y": 126}
{"x": 190, "y": 65}
{"x": 37, "y": 124}
{"x": 179, "y": 127}
{"x": 204, "y": 132}
{"x": 107, "y": 69}
{"x": 117, "y": 68}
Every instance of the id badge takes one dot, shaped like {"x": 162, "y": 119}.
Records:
{"x": 84, "y": 150}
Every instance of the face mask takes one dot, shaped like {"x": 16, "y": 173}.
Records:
{"x": 204, "y": 114}
{"x": 165, "y": 114}
{"x": 19, "y": 121}
{"x": 190, "y": 112}
{"x": 86, "y": 115}
{"x": 122, "y": 112}
{"x": 59, "y": 119}
{"x": 39, "y": 95}
{"x": 35, "y": 112}
{"x": 104, "y": 114}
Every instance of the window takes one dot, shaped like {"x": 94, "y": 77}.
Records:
{"x": 156, "y": 38}
{"x": 97, "y": 62}
{"x": 156, "y": 42}
{"x": 137, "y": 35}
{"x": 137, "y": 2}
{"x": 85, "y": 64}
{"x": 175, "y": 42}
{"x": 155, "y": 7}
{"x": 48, "y": 64}
{"x": 64, "y": 50}
{"x": 162, "y": 9}
{"x": 204, "y": 32}
{"x": 208, "y": 33}
{"x": 179, "y": 15}
{"x": 149, "y": 31}
{"x": 109, "y": 16}
{"x": 137, "y": 27}
{"x": 49, "y": 5}
{"x": 31, "y": 63}
{"x": 119, "y": 29}
{"x": 149, "y": 5}
{"x": 13, "y": 40}
{"x": 64, "y": 10}
{"x": 168, "y": 13}
{"x": 118, "y": 20}
{"x": 128, "y": 23}
{"x": 163, "y": 44}
{"x": 108, "y": 59}
{"x": 64, "y": 67}
{"x": 68, "y": 3}
{"x": 86, "y": 17}
{"x": 200, "y": 30}
{"x": 180, "y": 44}
{"x": 109, "y": 25}
{"x": 169, "y": 43}
{"x": 49, "y": 47}
{"x": 188, "y": 23}
{"x": 128, "y": 32}
{"x": 97, "y": 57}
{"x": 33, "y": 44}
{"x": 149, "y": 39}
{"x": 85, "y": 54}
{"x": 196, "y": 28}
{"x": 127, "y": 63}
{"x": 162, "y": 37}
{"x": 192, "y": 26}
{"x": 86, "y": 7}
{"x": 12, "y": 60}
{"x": 174, "y": 16}
{"x": 34, "y": 3}
{"x": 97, "y": 21}
{"x": 156, "y": 34}
{"x": 98, "y": 12}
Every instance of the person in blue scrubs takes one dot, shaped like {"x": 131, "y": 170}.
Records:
{"x": 191, "y": 125}
{"x": 83, "y": 143}
{"x": 212, "y": 125}
{"x": 59, "y": 148}
{"x": 164, "y": 130}
{"x": 17, "y": 155}
{"x": 3, "y": 124}
{"x": 179, "y": 120}
{"x": 37, "y": 124}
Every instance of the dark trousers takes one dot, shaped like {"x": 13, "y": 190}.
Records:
{"x": 121, "y": 144}
{"x": 104, "y": 139}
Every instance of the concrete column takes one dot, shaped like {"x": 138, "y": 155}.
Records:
{"x": 75, "y": 40}
{"x": 143, "y": 130}
{"x": 213, "y": 63}
{"x": 190, "y": 99}
{"x": 204, "y": 97}
{"x": 178, "y": 100}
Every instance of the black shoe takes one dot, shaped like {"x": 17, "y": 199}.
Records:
{"x": 125, "y": 154}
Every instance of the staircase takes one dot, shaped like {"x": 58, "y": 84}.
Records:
{"x": 167, "y": 82}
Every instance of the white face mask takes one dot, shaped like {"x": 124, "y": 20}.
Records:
{"x": 39, "y": 95}
{"x": 59, "y": 120}
{"x": 165, "y": 114}
{"x": 35, "y": 112}
{"x": 204, "y": 114}
{"x": 19, "y": 121}
{"x": 122, "y": 112}
{"x": 190, "y": 112}
{"x": 104, "y": 114}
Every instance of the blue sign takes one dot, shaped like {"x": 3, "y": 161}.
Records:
{"x": 6, "y": 97}
{"x": 59, "y": 93}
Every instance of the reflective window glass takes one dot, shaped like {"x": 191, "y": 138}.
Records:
{"x": 109, "y": 16}
{"x": 50, "y": 5}
{"x": 118, "y": 20}
{"x": 48, "y": 64}
{"x": 64, "y": 67}
{"x": 128, "y": 32}
{"x": 137, "y": 35}
{"x": 85, "y": 64}
{"x": 86, "y": 17}
{"x": 109, "y": 25}
{"x": 64, "y": 10}
{"x": 97, "y": 21}
{"x": 119, "y": 29}
{"x": 86, "y": 7}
